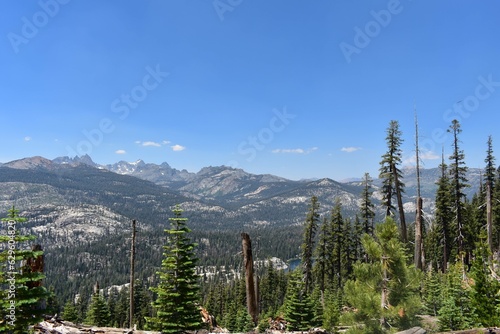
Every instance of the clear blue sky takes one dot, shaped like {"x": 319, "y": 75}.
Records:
{"x": 300, "y": 89}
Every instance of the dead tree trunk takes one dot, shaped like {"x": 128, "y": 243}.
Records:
{"x": 419, "y": 247}
{"x": 253, "y": 310}
{"x": 418, "y": 236}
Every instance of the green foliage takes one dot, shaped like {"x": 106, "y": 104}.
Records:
{"x": 439, "y": 240}
{"x": 458, "y": 184}
{"x": 385, "y": 290}
{"x": 367, "y": 208}
{"x": 388, "y": 167}
{"x": 299, "y": 308}
{"x": 484, "y": 294}
{"x": 22, "y": 297}
{"x": 70, "y": 313}
{"x": 272, "y": 290}
{"x": 432, "y": 292}
{"x": 176, "y": 304}
{"x": 98, "y": 312}
{"x": 311, "y": 225}
{"x": 457, "y": 311}
{"x": 331, "y": 309}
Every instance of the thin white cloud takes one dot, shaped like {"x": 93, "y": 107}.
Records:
{"x": 350, "y": 149}
{"x": 150, "y": 143}
{"x": 429, "y": 155}
{"x": 289, "y": 150}
{"x": 178, "y": 148}
{"x": 27, "y": 138}
{"x": 294, "y": 150}
{"x": 120, "y": 152}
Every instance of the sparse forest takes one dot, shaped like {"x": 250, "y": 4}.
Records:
{"x": 351, "y": 271}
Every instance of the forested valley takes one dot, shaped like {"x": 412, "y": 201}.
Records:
{"x": 361, "y": 272}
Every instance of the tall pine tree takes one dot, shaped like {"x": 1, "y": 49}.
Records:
{"x": 176, "y": 305}
{"x": 367, "y": 207}
{"x": 459, "y": 180}
{"x": 440, "y": 238}
{"x": 391, "y": 175}
{"x": 311, "y": 225}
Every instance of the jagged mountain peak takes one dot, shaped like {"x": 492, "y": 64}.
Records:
{"x": 84, "y": 159}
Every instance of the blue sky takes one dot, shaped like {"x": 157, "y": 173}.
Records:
{"x": 293, "y": 88}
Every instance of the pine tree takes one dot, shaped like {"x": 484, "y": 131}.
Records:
{"x": 338, "y": 245}
{"x": 22, "y": 296}
{"x": 299, "y": 309}
{"x": 391, "y": 175}
{"x": 367, "y": 207}
{"x": 176, "y": 304}
{"x": 98, "y": 312}
{"x": 490, "y": 170}
{"x": 307, "y": 247}
{"x": 69, "y": 312}
{"x": 433, "y": 298}
{"x": 484, "y": 298}
{"x": 385, "y": 290}
{"x": 440, "y": 245}
{"x": 456, "y": 312}
{"x": 322, "y": 257}
{"x": 489, "y": 180}
{"x": 458, "y": 182}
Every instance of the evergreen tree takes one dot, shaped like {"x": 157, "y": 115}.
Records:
{"x": 70, "y": 313}
{"x": 142, "y": 304}
{"x": 338, "y": 245}
{"x": 98, "y": 312}
{"x": 490, "y": 170}
{"x": 391, "y": 175}
{"x": 307, "y": 247}
{"x": 484, "y": 292}
{"x": 22, "y": 296}
{"x": 458, "y": 183}
{"x": 456, "y": 311}
{"x": 299, "y": 309}
{"x": 385, "y": 290}
{"x": 433, "y": 298}
{"x": 489, "y": 180}
{"x": 272, "y": 290}
{"x": 367, "y": 207}
{"x": 440, "y": 237}
{"x": 322, "y": 257}
{"x": 357, "y": 234}
{"x": 176, "y": 304}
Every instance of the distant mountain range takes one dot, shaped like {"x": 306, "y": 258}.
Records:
{"x": 236, "y": 193}
{"x": 81, "y": 211}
